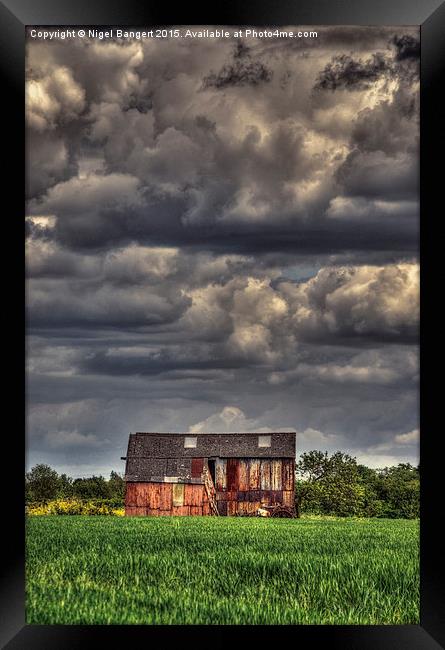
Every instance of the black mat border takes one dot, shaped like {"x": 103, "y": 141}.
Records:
{"x": 430, "y": 15}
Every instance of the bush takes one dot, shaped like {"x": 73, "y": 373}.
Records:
{"x": 74, "y": 507}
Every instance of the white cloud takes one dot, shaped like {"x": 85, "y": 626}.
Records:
{"x": 54, "y": 98}
{"x": 231, "y": 420}
{"x": 411, "y": 438}
{"x": 67, "y": 439}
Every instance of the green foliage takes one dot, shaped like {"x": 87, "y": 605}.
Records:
{"x": 337, "y": 485}
{"x": 399, "y": 489}
{"x": 90, "y": 488}
{"x": 116, "y": 487}
{"x": 43, "y": 484}
{"x": 221, "y": 571}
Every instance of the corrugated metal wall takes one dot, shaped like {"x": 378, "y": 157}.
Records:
{"x": 243, "y": 484}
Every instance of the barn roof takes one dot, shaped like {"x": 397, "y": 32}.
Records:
{"x": 156, "y": 456}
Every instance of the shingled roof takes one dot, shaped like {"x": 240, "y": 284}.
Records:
{"x": 154, "y": 456}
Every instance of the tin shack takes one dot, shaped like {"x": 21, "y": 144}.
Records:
{"x": 208, "y": 473}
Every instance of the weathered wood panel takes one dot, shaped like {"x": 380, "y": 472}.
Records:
{"x": 243, "y": 475}
{"x": 130, "y": 494}
{"x": 254, "y": 474}
{"x": 194, "y": 495}
{"x": 288, "y": 474}
{"x": 153, "y": 496}
{"x": 180, "y": 510}
{"x": 165, "y": 496}
{"x": 275, "y": 474}
{"x": 220, "y": 474}
{"x": 265, "y": 475}
{"x": 222, "y": 507}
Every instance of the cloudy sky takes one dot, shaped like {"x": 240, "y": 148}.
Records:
{"x": 222, "y": 235}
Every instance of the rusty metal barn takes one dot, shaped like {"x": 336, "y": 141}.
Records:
{"x": 208, "y": 473}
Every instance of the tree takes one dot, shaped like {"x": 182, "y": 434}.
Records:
{"x": 400, "y": 491}
{"x": 329, "y": 484}
{"x": 95, "y": 487}
{"x": 42, "y": 483}
{"x": 116, "y": 487}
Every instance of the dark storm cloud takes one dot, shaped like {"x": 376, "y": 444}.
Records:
{"x": 234, "y": 253}
{"x": 407, "y": 47}
{"x": 154, "y": 174}
{"x": 241, "y": 71}
{"x": 345, "y": 72}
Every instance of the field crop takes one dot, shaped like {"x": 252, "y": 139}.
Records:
{"x": 206, "y": 570}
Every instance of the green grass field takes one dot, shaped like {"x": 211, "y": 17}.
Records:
{"x": 205, "y": 570}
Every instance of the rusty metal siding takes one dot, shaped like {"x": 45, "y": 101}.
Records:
{"x": 253, "y": 481}
{"x": 254, "y": 473}
{"x": 265, "y": 474}
{"x": 275, "y": 474}
{"x": 288, "y": 473}
{"x": 232, "y": 474}
{"x": 243, "y": 475}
